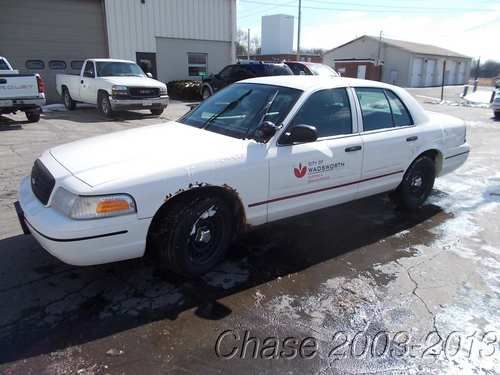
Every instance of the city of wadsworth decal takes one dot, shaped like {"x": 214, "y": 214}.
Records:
{"x": 316, "y": 170}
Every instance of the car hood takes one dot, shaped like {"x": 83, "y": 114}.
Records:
{"x": 168, "y": 149}
{"x": 134, "y": 81}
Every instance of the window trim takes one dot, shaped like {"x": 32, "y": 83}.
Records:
{"x": 37, "y": 60}
{"x": 197, "y": 65}
{"x": 361, "y": 125}
{"x": 354, "y": 118}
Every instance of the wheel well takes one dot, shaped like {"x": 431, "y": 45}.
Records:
{"x": 207, "y": 86}
{"x": 227, "y": 193}
{"x": 101, "y": 91}
{"x": 436, "y": 156}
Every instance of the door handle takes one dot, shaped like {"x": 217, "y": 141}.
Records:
{"x": 353, "y": 148}
{"x": 411, "y": 139}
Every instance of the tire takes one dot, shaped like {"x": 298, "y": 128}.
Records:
{"x": 157, "y": 111}
{"x": 69, "y": 103}
{"x": 206, "y": 93}
{"x": 416, "y": 186}
{"x": 33, "y": 116}
{"x": 104, "y": 105}
{"x": 193, "y": 235}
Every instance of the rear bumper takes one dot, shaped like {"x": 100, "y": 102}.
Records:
{"x": 81, "y": 242}
{"x": 149, "y": 103}
{"x": 455, "y": 158}
{"x": 11, "y": 105}
{"x": 495, "y": 106}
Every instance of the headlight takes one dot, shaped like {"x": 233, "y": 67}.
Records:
{"x": 80, "y": 207}
{"x": 118, "y": 90}
{"x": 163, "y": 90}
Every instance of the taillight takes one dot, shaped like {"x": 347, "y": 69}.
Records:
{"x": 41, "y": 84}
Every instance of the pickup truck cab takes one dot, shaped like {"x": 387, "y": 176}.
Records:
{"x": 20, "y": 92}
{"x": 259, "y": 150}
{"x": 112, "y": 85}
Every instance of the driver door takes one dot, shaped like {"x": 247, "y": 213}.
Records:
{"x": 88, "y": 87}
{"x": 305, "y": 177}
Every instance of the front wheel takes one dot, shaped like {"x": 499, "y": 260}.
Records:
{"x": 417, "y": 184}
{"x": 105, "y": 105}
{"x": 193, "y": 236}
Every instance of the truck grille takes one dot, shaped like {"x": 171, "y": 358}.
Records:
{"x": 144, "y": 92}
{"x": 42, "y": 182}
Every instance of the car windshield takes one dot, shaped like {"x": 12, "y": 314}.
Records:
{"x": 238, "y": 110}
{"x": 3, "y": 65}
{"x": 118, "y": 69}
{"x": 299, "y": 69}
{"x": 323, "y": 70}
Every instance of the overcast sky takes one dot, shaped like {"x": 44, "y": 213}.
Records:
{"x": 471, "y": 27}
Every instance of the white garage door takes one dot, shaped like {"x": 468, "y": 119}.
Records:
{"x": 451, "y": 72}
{"x": 430, "y": 72}
{"x": 461, "y": 73}
{"x": 416, "y": 72}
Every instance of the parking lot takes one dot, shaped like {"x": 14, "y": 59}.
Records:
{"x": 360, "y": 288}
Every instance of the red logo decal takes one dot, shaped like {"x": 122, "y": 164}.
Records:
{"x": 300, "y": 171}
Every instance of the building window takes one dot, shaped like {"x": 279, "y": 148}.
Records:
{"x": 57, "y": 65}
{"x": 197, "y": 64}
{"x": 76, "y": 64}
{"x": 35, "y": 65}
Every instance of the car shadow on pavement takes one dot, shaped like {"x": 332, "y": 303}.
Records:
{"x": 9, "y": 124}
{"x": 48, "y": 306}
{"x": 90, "y": 114}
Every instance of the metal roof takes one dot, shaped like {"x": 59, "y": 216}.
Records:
{"x": 420, "y": 48}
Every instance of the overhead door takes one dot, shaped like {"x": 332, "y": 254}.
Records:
{"x": 461, "y": 73}
{"x": 430, "y": 72}
{"x": 51, "y": 36}
{"x": 416, "y": 72}
{"x": 451, "y": 72}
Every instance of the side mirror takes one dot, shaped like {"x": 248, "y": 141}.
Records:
{"x": 300, "y": 134}
{"x": 149, "y": 75}
{"x": 265, "y": 131}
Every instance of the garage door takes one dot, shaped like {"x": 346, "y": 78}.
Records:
{"x": 430, "y": 72}
{"x": 461, "y": 73}
{"x": 416, "y": 72}
{"x": 451, "y": 72}
{"x": 51, "y": 36}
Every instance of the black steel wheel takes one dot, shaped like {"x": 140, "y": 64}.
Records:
{"x": 417, "y": 184}
{"x": 193, "y": 236}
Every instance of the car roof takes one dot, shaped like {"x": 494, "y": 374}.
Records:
{"x": 308, "y": 83}
{"x": 112, "y": 60}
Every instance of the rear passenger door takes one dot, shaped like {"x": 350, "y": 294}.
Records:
{"x": 308, "y": 176}
{"x": 388, "y": 135}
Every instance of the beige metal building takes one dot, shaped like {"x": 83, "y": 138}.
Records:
{"x": 172, "y": 39}
{"x": 402, "y": 63}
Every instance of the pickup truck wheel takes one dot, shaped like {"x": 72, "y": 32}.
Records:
{"x": 157, "y": 111}
{"x": 205, "y": 93}
{"x": 416, "y": 185}
{"x": 69, "y": 103}
{"x": 105, "y": 105}
{"x": 33, "y": 116}
{"x": 193, "y": 236}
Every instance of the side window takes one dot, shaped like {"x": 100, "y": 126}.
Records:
{"x": 241, "y": 72}
{"x": 89, "y": 70}
{"x": 400, "y": 113}
{"x": 375, "y": 109}
{"x": 226, "y": 72}
{"x": 327, "y": 110}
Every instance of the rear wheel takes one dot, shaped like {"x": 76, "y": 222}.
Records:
{"x": 416, "y": 185}
{"x": 157, "y": 111}
{"x": 33, "y": 116}
{"x": 69, "y": 103}
{"x": 104, "y": 105}
{"x": 193, "y": 235}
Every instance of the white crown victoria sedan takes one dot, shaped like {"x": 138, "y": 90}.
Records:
{"x": 258, "y": 151}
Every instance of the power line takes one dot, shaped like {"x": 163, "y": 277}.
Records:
{"x": 265, "y": 9}
{"x": 392, "y": 6}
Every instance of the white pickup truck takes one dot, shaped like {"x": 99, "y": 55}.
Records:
{"x": 20, "y": 92}
{"x": 260, "y": 150}
{"x": 112, "y": 85}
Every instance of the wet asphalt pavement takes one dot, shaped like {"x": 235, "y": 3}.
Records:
{"x": 359, "y": 288}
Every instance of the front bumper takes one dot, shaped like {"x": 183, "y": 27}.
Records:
{"x": 149, "y": 103}
{"x": 81, "y": 242}
{"x": 495, "y": 106}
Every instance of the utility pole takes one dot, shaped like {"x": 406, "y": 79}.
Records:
{"x": 378, "y": 56}
{"x": 248, "y": 45}
{"x": 476, "y": 74}
{"x": 442, "y": 80}
{"x": 298, "y": 30}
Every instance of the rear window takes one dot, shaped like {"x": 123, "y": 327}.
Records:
{"x": 270, "y": 70}
{"x": 3, "y": 65}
